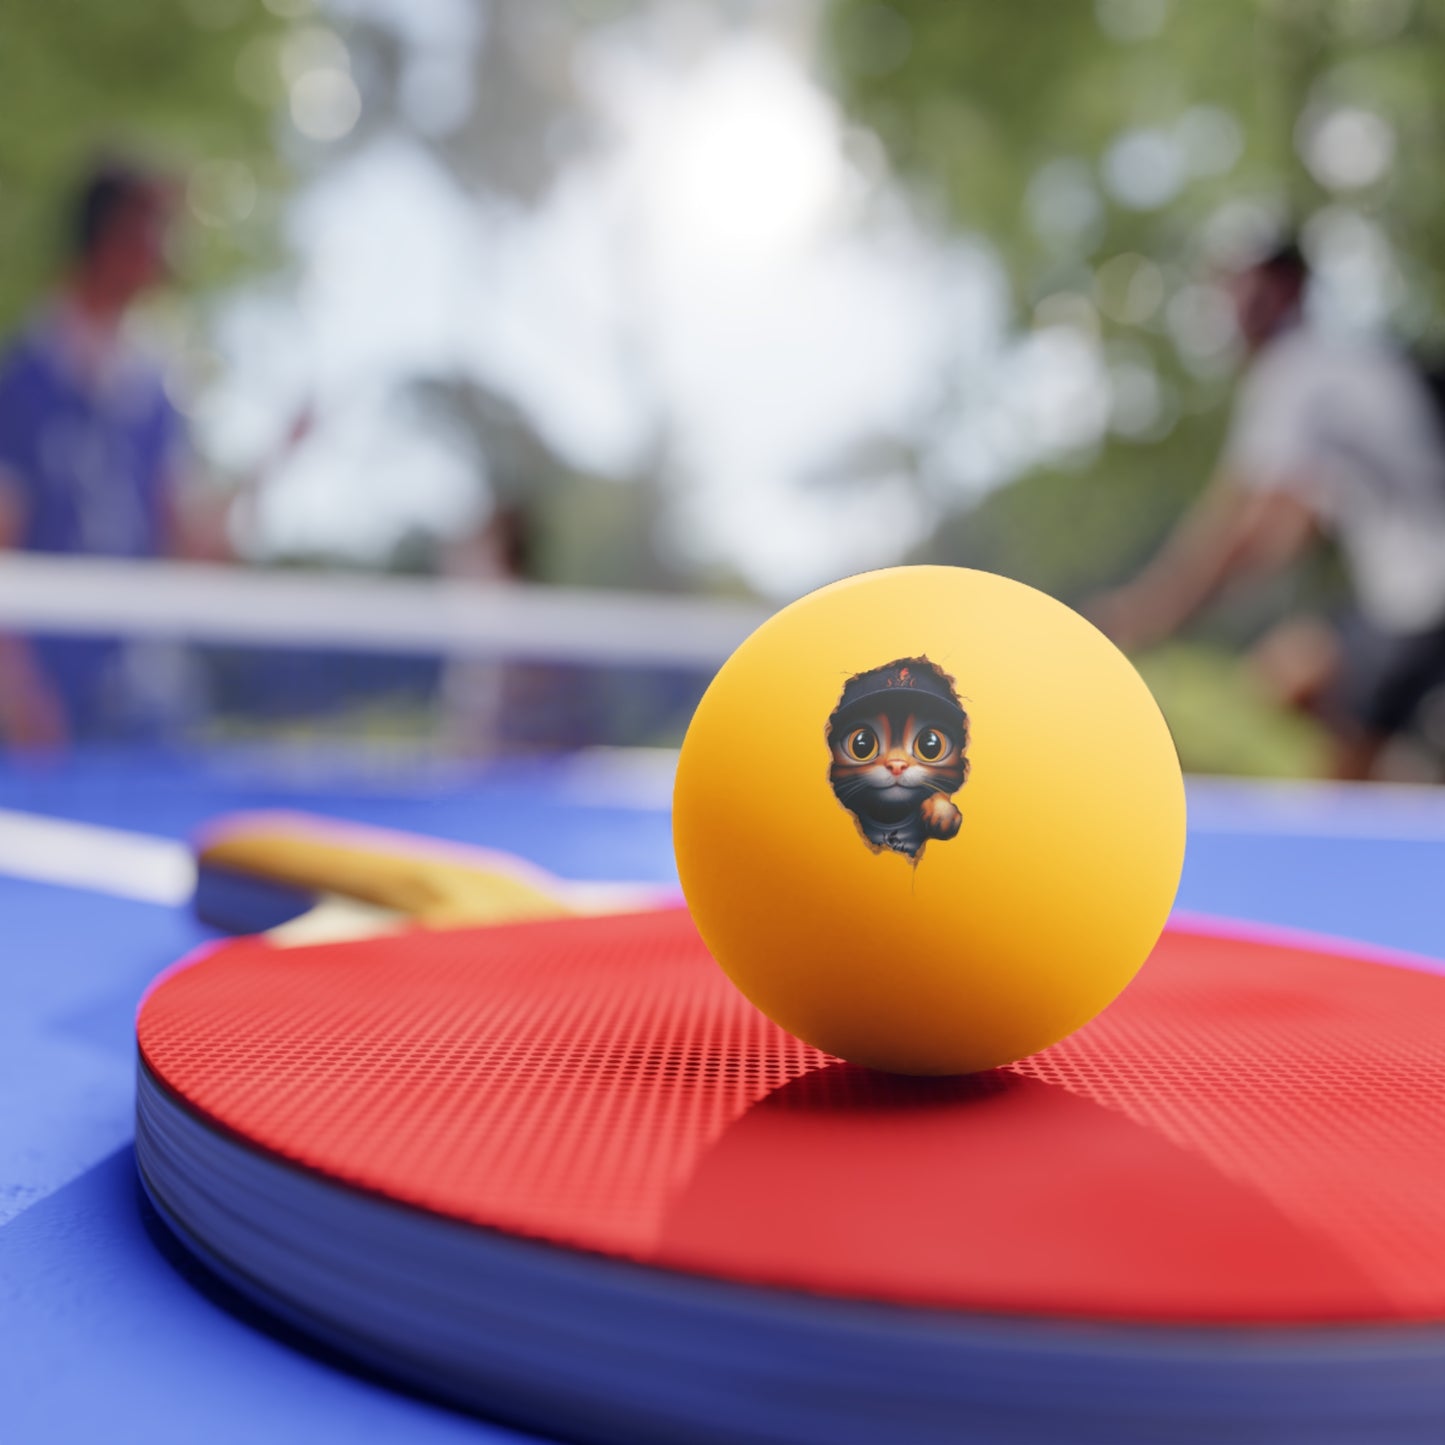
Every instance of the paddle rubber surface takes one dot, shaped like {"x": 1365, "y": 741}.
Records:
{"x": 1253, "y": 1133}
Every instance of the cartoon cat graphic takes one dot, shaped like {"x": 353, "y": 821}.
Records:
{"x": 898, "y": 739}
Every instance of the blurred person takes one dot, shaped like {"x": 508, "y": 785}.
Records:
{"x": 491, "y": 705}
{"x": 90, "y": 449}
{"x": 1329, "y": 437}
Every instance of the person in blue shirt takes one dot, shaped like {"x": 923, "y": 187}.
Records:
{"x": 89, "y": 450}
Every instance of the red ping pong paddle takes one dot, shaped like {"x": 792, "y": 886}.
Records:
{"x": 1245, "y": 1146}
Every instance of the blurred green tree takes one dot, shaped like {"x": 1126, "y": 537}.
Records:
{"x": 188, "y": 86}
{"x": 1114, "y": 153}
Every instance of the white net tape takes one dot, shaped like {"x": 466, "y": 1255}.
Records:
{"x": 279, "y": 609}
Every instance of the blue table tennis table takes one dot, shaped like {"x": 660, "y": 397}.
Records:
{"x": 106, "y": 1333}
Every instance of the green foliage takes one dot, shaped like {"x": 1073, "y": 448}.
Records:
{"x": 160, "y": 82}
{"x": 1070, "y": 531}
{"x": 1007, "y": 120}
{"x": 1221, "y": 724}
{"x": 972, "y": 98}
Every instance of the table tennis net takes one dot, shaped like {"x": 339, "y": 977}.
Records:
{"x": 186, "y": 654}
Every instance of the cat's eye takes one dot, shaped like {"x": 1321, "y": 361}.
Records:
{"x": 862, "y": 744}
{"x": 930, "y": 745}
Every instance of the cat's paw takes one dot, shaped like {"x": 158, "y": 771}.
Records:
{"x": 940, "y": 816}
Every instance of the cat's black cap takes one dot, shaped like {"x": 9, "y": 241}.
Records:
{"x": 911, "y": 682}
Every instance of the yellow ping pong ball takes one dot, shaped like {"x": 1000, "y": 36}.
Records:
{"x": 929, "y": 820}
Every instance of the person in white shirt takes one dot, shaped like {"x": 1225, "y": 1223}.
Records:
{"x": 1333, "y": 437}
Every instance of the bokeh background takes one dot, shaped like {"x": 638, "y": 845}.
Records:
{"x": 737, "y": 298}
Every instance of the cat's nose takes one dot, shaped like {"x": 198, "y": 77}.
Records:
{"x": 896, "y": 765}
